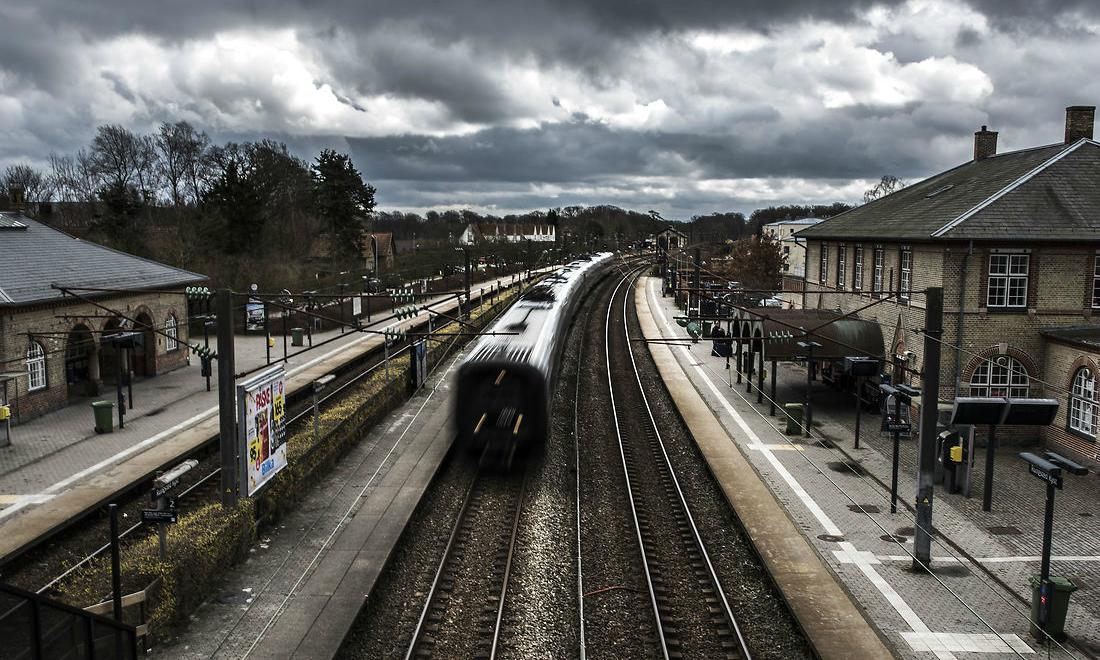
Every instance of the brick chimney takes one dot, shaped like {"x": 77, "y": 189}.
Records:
{"x": 1079, "y": 120}
{"x": 985, "y": 144}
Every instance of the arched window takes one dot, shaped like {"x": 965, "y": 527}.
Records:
{"x": 1001, "y": 376}
{"x": 172, "y": 329}
{"x": 1082, "y": 402}
{"x": 36, "y": 366}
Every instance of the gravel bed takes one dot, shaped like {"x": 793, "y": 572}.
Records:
{"x": 540, "y": 613}
{"x": 768, "y": 626}
{"x": 692, "y": 627}
{"x": 618, "y": 617}
{"x": 385, "y": 625}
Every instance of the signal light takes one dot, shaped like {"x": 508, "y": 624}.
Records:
{"x": 199, "y": 293}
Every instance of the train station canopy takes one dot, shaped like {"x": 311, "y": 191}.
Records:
{"x": 782, "y": 329}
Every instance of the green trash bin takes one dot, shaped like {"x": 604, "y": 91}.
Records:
{"x": 104, "y": 416}
{"x": 1059, "y": 606}
{"x": 794, "y": 418}
{"x": 296, "y": 336}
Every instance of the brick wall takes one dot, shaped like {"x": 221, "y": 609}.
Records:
{"x": 51, "y": 324}
{"x": 1060, "y": 364}
{"x": 1059, "y": 293}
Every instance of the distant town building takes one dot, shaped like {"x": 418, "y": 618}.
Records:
{"x": 507, "y": 232}
{"x": 57, "y": 346}
{"x": 671, "y": 239}
{"x": 794, "y": 249}
{"x": 1014, "y": 240}
{"x": 387, "y": 250}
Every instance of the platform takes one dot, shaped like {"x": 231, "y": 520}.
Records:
{"x": 960, "y": 611}
{"x": 48, "y": 492}
{"x": 300, "y": 592}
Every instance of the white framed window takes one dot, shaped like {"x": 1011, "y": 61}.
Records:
{"x": 841, "y": 266}
{"x": 1082, "y": 402}
{"x": 172, "y": 329}
{"x": 876, "y": 275}
{"x": 36, "y": 367}
{"x": 1008, "y": 275}
{"x": 905, "y": 281}
{"x": 823, "y": 273}
{"x": 1001, "y": 376}
{"x": 1096, "y": 281}
{"x": 857, "y": 268}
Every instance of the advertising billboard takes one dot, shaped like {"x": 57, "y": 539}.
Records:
{"x": 253, "y": 315}
{"x": 261, "y": 424}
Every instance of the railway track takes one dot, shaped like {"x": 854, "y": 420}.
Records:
{"x": 464, "y": 612}
{"x": 689, "y": 605}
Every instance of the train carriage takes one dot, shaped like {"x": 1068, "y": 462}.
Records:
{"x": 504, "y": 388}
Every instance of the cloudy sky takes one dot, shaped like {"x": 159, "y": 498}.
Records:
{"x": 685, "y": 107}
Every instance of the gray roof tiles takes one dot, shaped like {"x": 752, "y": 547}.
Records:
{"x": 33, "y": 259}
{"x": 977, "y": 200}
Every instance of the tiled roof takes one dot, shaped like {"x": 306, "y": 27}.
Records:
{"x": 33, "y": 258}
{"x": 1046, "y": 193}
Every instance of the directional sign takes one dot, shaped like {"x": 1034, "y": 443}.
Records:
{"x": 900, "y": 427}
{"x": 159, "y": 491}
{"x": 1052, "y": 477}
{"x": 158, "y": 516}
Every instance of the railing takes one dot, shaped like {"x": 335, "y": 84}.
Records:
{"x": 35, "y": 627}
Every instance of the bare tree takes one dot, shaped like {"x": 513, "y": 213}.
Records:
{"x": 197, "y": 162}
{"x": 888, "y": 184}
{"x": 170, "y": 143}
{"x": 35, "y": 185}
{"x": 74, "y": 178}
{"x": 146, "y": 167}
{"x": 114, "y": 155}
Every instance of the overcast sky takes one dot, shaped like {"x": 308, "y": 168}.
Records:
{"x": 685, "y": 107}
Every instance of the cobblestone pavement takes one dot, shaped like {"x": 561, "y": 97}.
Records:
{"x": 976, "y": 603}
{"x": 48, "y": 451}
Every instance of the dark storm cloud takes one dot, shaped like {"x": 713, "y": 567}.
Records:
{"x": 578, "y": 151}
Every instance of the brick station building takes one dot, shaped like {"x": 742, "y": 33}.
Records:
{"x": 56, "y": 341}
{"x": 1014, "y": 240}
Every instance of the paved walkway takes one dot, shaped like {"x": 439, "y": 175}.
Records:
{"x": 51, "y": 453}
{"x": 964, "y": 608}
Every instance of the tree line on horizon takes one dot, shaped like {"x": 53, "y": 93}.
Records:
{"x": 175, "y": 196}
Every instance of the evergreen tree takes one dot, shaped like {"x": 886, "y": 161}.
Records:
{"x": 343, "y": 201}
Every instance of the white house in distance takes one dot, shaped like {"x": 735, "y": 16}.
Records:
{"x": 502, "y": 232}
{"x": 794, "y": 249}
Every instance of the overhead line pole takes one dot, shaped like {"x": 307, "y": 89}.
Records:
{"x": 227, "y": 399}
{"x": 929, "y": 414}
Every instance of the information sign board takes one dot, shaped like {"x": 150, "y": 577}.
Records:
{"x": 253, "y": 315}
{"x": 261, "y": 428}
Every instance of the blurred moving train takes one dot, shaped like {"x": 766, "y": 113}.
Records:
{"x": 504, "y": 388}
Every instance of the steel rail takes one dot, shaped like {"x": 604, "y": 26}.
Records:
{"x": 716, "y": 583}
{"x": 464, "y": 517}
{"x": 682, "y": 508}
{"x": 629, "y": 490}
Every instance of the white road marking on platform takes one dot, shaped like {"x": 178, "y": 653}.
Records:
{"x": 776, "y": 447}
{"x": 885, "y": 588}
{"x": 966, "y": 642}
{"x": 998, "y": 560}
{"x": 853, "y": 556}
{"x": 32, "y": 498}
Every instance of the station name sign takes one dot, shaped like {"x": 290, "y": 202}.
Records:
{"x": 1052, "y": 476}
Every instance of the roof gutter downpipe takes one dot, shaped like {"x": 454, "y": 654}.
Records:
{"x": 959, "y": 321}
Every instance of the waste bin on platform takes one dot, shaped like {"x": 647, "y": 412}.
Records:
{"x": 794, "y": 418}
{"x": 104, "y": 416}
{"x": 1061, "y": 588}
{"x": 296, "y": 335}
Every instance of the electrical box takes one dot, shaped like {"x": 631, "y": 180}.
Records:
{"x": 957, "y": 454}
